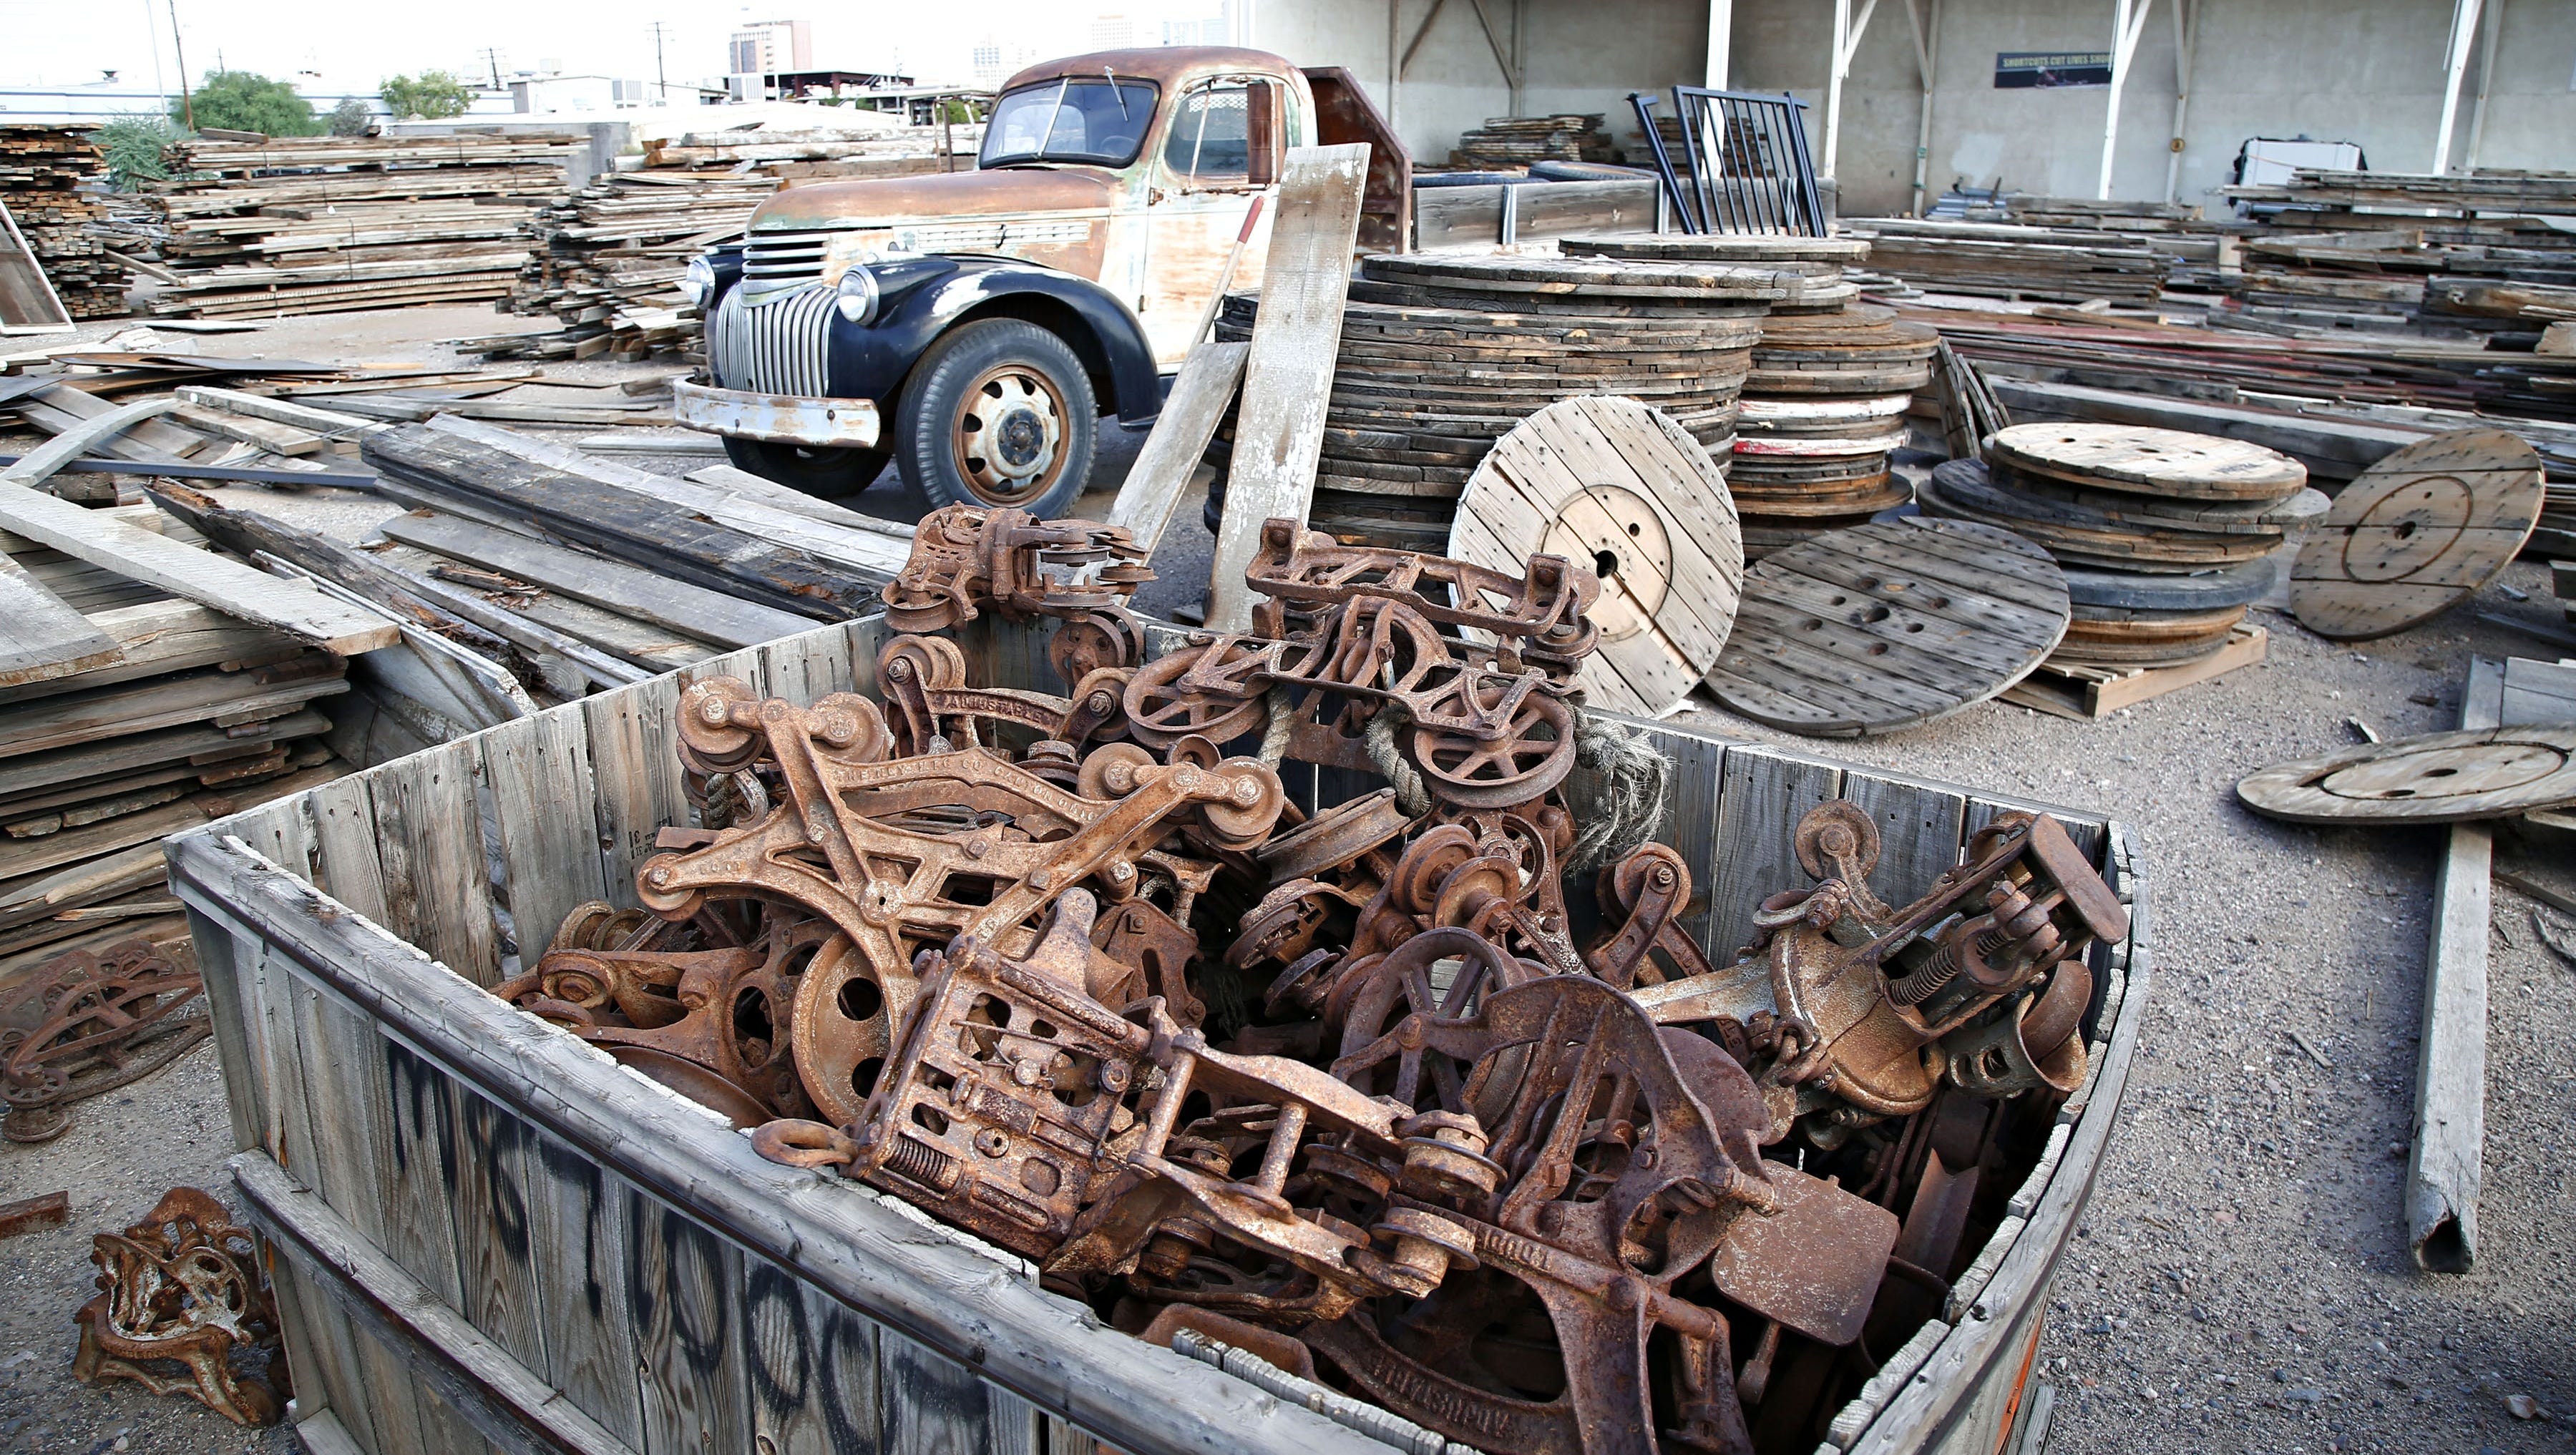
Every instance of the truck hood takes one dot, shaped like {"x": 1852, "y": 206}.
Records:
{"x": 937, "y": 198}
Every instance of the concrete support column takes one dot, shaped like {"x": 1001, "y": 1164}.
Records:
{"x": 1927, "y": 57}
{"x": 2464, "y": 33}
{"x": 2127, "y": 22}
{"x": 1721, "y": 42}
{"x": 2186, "y": 33}
{"x": 1847, "y": 34}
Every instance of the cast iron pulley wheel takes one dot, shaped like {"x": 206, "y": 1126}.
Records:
{"x": 816, "y": 470}
{"x": 998, "y": 412}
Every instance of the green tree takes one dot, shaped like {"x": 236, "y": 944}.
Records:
{"x": 429, "y": 96}
{"x": 248, "y": 101}
{"x": 351, "y": 117}
{"x": 133, "y": 148}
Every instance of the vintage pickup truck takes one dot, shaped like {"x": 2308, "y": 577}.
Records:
{"x": 975, "y": 325}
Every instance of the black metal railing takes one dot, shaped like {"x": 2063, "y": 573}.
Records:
{"x": 1745, "y": 165}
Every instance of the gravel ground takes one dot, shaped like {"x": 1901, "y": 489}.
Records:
{"x": 2241, "y": 1281}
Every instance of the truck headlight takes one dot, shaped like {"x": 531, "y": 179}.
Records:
{"x": 859, "y": 296}
{"x": 699, "y": 282}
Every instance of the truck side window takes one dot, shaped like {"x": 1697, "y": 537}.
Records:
{"x": 1211, "y": 137}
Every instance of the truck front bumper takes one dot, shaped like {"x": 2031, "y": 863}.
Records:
{"x": 785, "y": 419}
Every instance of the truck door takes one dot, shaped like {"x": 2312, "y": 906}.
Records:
{"x": 1221, "y": 149}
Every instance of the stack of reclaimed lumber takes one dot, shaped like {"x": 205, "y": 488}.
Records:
{"x": 332, "y": 224}
{"x": 854, "y": 144}
{"x": 49, "y": 178}
{"x": 2399, "y": 279}
{"x": 206, "y": 435}
{"x": 2010, "y": 260}
{"x": 2149, "y": 357}
{"x": 1517, "y": 141}
{"x": 147, "y": 685}
{"x": 2470, "y": 194}
{"x": 608, "y": 259}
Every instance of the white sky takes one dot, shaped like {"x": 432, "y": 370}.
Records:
{"x": 353, "y": 44}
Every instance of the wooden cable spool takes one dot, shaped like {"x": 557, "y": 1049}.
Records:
{"x": 2435, "y": 778}
{"x": 1722, "y": 248}
{"x": 2165, "y": 462}
{"x": 1888, "y": 624}
{"x": 2420, "y": 530}
{"x": 1614, "y": 485}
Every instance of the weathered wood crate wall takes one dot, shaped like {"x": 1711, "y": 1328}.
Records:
{"x": 488, "y": 1236}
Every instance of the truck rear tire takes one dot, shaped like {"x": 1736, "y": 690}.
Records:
{"x": 825, "y": 470}
{"x": 997, "y": 413}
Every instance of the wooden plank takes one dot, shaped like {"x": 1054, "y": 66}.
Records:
{"x": 933, "y": 1404}
{"x": 2442, "y": 1169}
{"x": 228, "y": 586}
{"x": 813, "y": 1368}
{"x": 412, "y": 1119}
{"x": 331, "y": 1400}
{"x": 2536, "y": 691}
{"x": 633, "y": 748}
{"x": 497, "y": 1273}
{"x": 429, "y": 834}
{"x": 578, "y": 1228}
{"x": 224, "y": 699}
{"x": 540, "y": 778}
{"x": 2086, "y": 831}
{"x": 397, "y": 1318}
{"x": 219, "y": 956}
{"x": 345, "y": 857}
{"x": 54, "y": 454}
{"x": 1763, "y": 793}
{"x": 1918, "y": 831}
{"x": 614, "y": 585}
{"x": 42, "y": 638}
{"x": 1279, "y": 432}
{"x": 684, "y": 1287}
{"x": 1155, "y": 483}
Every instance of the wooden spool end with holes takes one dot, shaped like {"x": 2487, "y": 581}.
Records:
{"x": 2148, "y": 461}
{"x": 1615, "y": 486}
{"x": 2416, "y": 532}
{"x": 2436, "y": 778}
{"x": 1887, "y": 625}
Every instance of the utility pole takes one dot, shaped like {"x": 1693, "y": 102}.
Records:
{"x": 493, "y": 57}
{"x": 187, "y": 104}
{"x": 661, "y": 77}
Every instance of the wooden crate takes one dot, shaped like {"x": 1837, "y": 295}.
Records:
{"x": 491, "y": 1237}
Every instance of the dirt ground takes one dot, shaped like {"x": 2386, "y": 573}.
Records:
{"x": 2241, "y": 1282}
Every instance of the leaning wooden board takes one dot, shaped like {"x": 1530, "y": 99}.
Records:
{"x": 1619, "y": 489}
{"x": 1287, "y": 379}
{"x": 1887, "y": 625}
{"x": 818, "y": 1316}
{"x": 2420, "y": 530}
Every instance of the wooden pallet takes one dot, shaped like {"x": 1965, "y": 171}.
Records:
{"x": 2089, "y": 694}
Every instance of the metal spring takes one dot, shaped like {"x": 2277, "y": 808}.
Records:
{"x": 918, "y": 1161}
{"x": 1942, "y": 968}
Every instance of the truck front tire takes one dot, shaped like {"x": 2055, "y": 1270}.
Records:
{"x": 816, "y": 470}
{"x": 997, "y": 413}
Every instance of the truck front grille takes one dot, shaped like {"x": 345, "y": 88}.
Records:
{"x": 779, "y": 346}
{"x": 774, "y": 261}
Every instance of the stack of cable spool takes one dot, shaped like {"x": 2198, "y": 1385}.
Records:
{"x": 2166, "y": 537}
{"x": 1442, "y": 354}
{"x": 1825, "y": 403}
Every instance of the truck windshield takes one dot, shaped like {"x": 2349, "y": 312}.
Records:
{"x": 1074, "y": 119}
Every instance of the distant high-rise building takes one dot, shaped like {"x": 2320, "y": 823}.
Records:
{"x": 1216, "y": 27}
{"x": 766, "y": 47}
{"x": 1112, "y": 32}
{"x": 996, "y": 60}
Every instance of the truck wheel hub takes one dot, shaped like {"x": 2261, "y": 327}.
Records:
{"x": 1010, "y": 434}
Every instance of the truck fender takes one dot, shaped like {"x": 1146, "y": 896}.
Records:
{"x": 1100, "y": 328}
